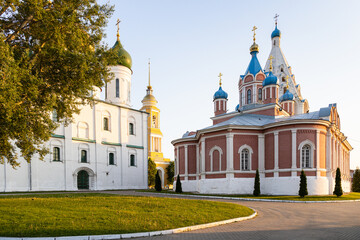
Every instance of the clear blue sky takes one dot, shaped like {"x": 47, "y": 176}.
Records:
{"x": 190, "y": 42}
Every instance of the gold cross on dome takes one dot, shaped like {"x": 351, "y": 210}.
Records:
{"x": 271, "y": 67}
{"x": 254, "y": 28}
{"x": 276, "y": 18}
{"x": 220, "y": 75}
{"x": 118, "y": 23}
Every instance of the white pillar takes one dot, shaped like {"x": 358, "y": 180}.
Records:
{"x": 229, "y": 155}
{"x": 293, "y": 153}
{"x": 261, "y": 154}
{"x": 317, "y": 153}
{"x": 186, "y": 162}
{"x": 202, "y": 159}
{"x": 276, "y": 158}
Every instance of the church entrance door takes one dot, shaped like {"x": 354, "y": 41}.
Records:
{"x": 83, "y": 180}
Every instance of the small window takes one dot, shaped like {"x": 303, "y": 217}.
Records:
{"x": 83, "y": 156}
{"x": 245, "y": 159}
{"x": 260, "y": 94}
{"x": 106, "y": 124}
{"x": 131, "y": 129}
{"x": 305, "y": 156}
{"x": 132, "y": 160}
{"x": 111, "y": 159}
{"x": 154, "y": 121}
{"x": 55, "y": 117}
{"x": 56, "y": 154}
{"x": 117, "y": 88}
{"x": 249, "y": 96}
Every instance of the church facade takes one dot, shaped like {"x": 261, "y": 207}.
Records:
{"x": 271, "y": 130}
{"x": 105, "y": 147}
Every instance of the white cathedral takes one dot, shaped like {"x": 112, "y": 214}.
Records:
{"x": 105, "y": 147}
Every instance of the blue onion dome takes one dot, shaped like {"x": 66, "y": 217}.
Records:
{"x": 276, "y": 32}
{"x": 123, "y": 57}
{"x": 220, "y": 94}
{"x": 270, "y": 80}
{"x": 288, "y": 96}
{"x": 237, "y": 107}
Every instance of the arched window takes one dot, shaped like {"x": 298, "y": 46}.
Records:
{"x": 55, "y": 117}
{"x": 248, "y": 96}
{"x": 56, "y": 154}
{"x": 154, "y": 121}
{"x": 111, "y": 159}
{"x": 117, "y": 88}
{"x": 260, "y": 94}
{"x": 245, "y": 165}
{"x": 106, "y": 124}
{"x": 306, "y": 156}
{"x": 132, "y": 160}
{"x": 83, "y": 156}
{"x": 131, "y": 129}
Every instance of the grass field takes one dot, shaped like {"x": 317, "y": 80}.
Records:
{"x": 94, "y": 214}
{"x": 350, "y": 196}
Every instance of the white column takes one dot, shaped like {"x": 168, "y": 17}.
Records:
{"x": 317, "y": 153}
{"x": 229, "y": 155}
{"x": 202, "y": 159}
{"x": 293, "y": 153}
{"x": 197, "y": 161}
{"x": 276, "y": 155}
{"x": 261, "y": 154}
{"x": 186, "y": 162}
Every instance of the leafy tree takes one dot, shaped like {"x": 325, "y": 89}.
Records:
{"x": 151, "y": 172}
{"x": 356, "y": 181}
{"x": 158, "y": 182}
{"x": 51, "y": 57}
{"x": 178, "y": 188}
{"x": 257, "y": 184}
{"x": 303, "y": 185}
{"x": 338, "y": 189}
{"x": 170, "y": 173}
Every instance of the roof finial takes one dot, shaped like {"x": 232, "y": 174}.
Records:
{"x": 149, "y": 86}
{"x": 220, "y": 75}
{"x": 118, "y": 34}
{"x": 276, "y": 18}
{"x": 254, "y": 28}
{"x": 271, "y": 67}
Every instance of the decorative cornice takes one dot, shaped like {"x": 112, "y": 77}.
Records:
{"x": 110, "y": 143}
{"x": 57, "y": 136}
{"x": 84, "y": 140}
{"x": 134, "y": 146}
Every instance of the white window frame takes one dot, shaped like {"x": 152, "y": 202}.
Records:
{"x": 312, "y": 150}
{"x": 56, "y": 143}
{"x": 215, "y": 148}
{"x": 83, "y": 125}
{"x": 133, "y": 121}
{"x": 85, "y": 147}
{"x": 135, "y": 156}
{"x": 111, "y": 150}
{"x": 243, "y": 147}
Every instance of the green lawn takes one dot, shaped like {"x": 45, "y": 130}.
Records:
{"x": 92, "y": 214}
{"x": 350, "y": 196}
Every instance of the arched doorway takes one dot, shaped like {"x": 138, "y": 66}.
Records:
{"x": 160, "y": 170}
{"x": 83, "y": 180}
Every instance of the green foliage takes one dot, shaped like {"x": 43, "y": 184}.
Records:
{"x": 151, "y": 172}
{"x": 257, "y": 184}
{"x": 303, "y": 185}
{"x": 178, "y": 188}
{"x": 72, "y": 214}
{"x": 51, "y": 58}
{"x": 158, "y": 182}
{"x": 338, "y": 189}
{"x": 170, "y": 173}
{"x": 356, "y": 181}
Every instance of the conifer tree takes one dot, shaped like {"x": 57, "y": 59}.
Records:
{"x": 356, "y": 181}
{"x": 158, "y": 182}
{"x": 338, "y": 189}
{"x": 303, "y": 185}
{"x": 170, "y": 173}
{"x": 178, "y": 188}
{"x": 257, "y": 184}
{"x": 151, "y": 172}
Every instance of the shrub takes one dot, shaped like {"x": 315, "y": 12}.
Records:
{"x": 303, "y": 185}
{"x": 151, "y": 172}
{"x": 257, "y": 184}
{"x": 158, "y": 182}
{"x": 170, "y": 173}
{"x": 178, "y": 188}
{"x": 338, "y": 189}
{"x": 356, "y": 181}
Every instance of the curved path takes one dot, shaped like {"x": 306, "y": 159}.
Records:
{"x": 278, "y": 220}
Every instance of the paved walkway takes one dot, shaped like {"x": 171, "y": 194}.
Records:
{"x": 282, "y": 221}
